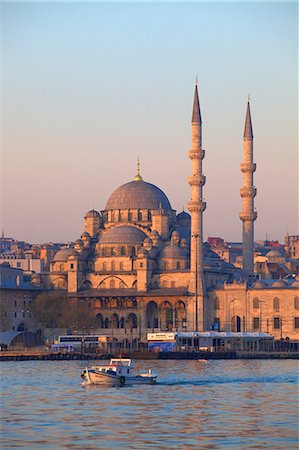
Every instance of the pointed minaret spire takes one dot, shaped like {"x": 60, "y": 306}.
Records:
{"x": 196, "y": 116}
{"x": 248, "y": 133}
{"x": 248, "y": 214}
{"x": 138, "y": 177}
{"x": 196, "y": 207}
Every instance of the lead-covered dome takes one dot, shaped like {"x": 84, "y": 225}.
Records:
{"x": 64, "y": 254}
{"x": 138, "y": 194}
{"x": 122, "y": 235}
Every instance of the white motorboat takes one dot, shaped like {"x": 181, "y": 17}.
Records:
{"x": 119, "y": 372}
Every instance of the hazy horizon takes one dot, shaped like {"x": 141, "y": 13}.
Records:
{"x": 87, "y": 88}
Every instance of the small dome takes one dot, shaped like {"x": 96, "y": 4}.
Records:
{"x": 142, "y": 252}
{"x": 138, "y": 194}
{"x": 171, "y": 251}
{"x": 122, "y": 235}
{"x": 64, "y": 254}
{"x": 259, "y": 284}
{"x": 279, "y": 283}
{"x": 92, "y": 213}
{"x": 274, "y": 254}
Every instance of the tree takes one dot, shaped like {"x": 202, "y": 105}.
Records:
{"x": 52, "y": 310}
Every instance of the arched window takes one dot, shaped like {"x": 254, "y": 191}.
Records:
{"x": 256, "y": 303}
{"x": 276, "y": 304}
{"x": 123, "y": 251}
{"x": 139, "y": 215}
{"x": 112, "y": 265}
{"x": 121, "y": 285}
{"x": 107, "y": 323}
{"x": 104, "y": 266}
{"x": 121, "y": 266}
{"x": 178, "y": 265}
{"x": 131, "y": 321}
{"x": 112, "y": 284}
{"x": 122, "y": 323}
{"x": 100, "y": 321}
{"x": 296, "y": 302}
{"x": 149, "y": 215}
{"x": 172, "y": 284}
{"x": 164, "y": 284}
{"x": 129, "y": 216}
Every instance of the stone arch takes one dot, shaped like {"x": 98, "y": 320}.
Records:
{"x": 87, "y": 284}
{"x": 106, "y": 281}
{"x": 59, "y": 283}
{"x": 100, "y": 321}
{"x": 114, "y": 321}
{"x": 236, "y": 324}
{"x": 180, "y": 315}
{"x": 21, "y": 327}
{"x": 131, "y": 321}
{"x": 166, "y": 316}
{"x": 152, "y": 315}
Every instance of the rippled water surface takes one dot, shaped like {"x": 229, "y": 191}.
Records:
{"x": 195, "y": 405}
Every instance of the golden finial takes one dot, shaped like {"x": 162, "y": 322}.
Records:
{"x": 248, "y": 98}
{"x": 138, "y": 176}
{"x": 196, "y": 81}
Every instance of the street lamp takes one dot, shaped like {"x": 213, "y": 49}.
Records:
{"x": 196, "y": 236}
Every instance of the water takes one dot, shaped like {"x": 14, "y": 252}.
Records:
{"x": 196, "y": 405}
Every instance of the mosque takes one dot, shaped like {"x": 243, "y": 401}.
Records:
{"x": 143, "y": 267}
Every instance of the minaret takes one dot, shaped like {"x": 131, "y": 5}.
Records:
{"x": 196, "y": 207}
{"x": 248, "y": 192}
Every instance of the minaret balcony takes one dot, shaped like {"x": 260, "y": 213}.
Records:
{"x": 248, "y": 192}
{"x": 248, "y": 216}
{"x": 198, "y": 153}
{"x": 197, "y": 206}
{"x": 197, "y": 180}
{"x": 248, "y": 167}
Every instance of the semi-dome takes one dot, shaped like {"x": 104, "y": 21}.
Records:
{"x": 64, "y": 254}
{"x": 274, "y": 254}
{"x": 138, "y": 195}
{"x": 259, "y": 284}
{"x": 172, "y": 251}
{"x": 92, "y": 213}
{"x": 279, "y": 283}
{"x": 122, "y": 235}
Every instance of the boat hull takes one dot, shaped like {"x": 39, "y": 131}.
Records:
{"x": 90, "y": 376}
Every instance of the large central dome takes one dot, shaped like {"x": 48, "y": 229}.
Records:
{"x": 138, "y": 194}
